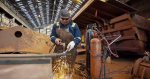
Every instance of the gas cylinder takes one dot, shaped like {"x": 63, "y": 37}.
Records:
{"x": 95, "y": 55}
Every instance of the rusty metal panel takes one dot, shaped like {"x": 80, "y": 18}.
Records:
{"x": 25, "y": 69}
{"x": 133, "y": 30}
{"x": 141, "y": 22}
{"x": 23, "y": 40}
{"x": 141, "y": 69}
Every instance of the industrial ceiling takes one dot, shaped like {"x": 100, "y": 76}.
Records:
{"x": 41, "y": 13}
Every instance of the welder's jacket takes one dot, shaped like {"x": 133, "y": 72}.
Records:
{"x": 73, "y": 29}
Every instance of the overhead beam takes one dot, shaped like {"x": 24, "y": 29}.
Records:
{"x": 102, "y": 12}
{"x": 82, "y": 9}
{"x": 97, "y": 17}
{"x": 83, "y": 21}
{"x": 91, "y": 17}
{"x": 87, "y": 18}
{"x": 20, "y": 19}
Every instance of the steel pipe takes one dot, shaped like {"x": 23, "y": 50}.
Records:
{"x": 32, "y": 55}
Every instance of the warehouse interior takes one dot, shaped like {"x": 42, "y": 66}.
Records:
{"x": 115, "y": 39}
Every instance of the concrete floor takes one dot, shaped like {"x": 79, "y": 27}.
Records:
{"x": 119, "y": 68}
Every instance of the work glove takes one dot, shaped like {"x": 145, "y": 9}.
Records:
{"x": 58, "y": 41}
{"x": 70, "y": 46}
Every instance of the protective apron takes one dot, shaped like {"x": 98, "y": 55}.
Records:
{"x": 66, "y": 37}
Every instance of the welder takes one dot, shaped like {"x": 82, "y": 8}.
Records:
{"x": 66, "y": 31}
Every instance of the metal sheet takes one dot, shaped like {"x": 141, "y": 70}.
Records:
{"x": 23, "y": 40}
{"x": 25, "y": 69}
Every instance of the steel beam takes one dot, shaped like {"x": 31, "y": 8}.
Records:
{"x": 32, "y": 55}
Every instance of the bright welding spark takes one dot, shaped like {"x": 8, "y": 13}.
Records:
{"x": 61, "y": 68}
